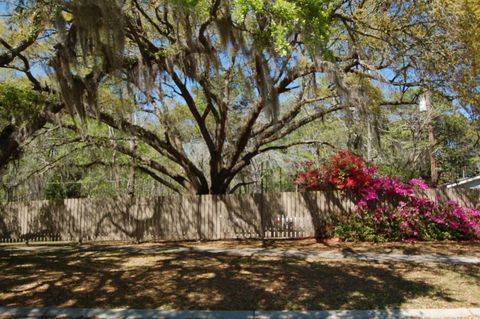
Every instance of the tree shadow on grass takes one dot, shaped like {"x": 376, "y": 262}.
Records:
{"x": 187, "y": 280}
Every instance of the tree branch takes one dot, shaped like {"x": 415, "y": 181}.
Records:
{"x": 185, "y": 93}
{"x": 12, "y": 53}
{"x": 286, "y": 146}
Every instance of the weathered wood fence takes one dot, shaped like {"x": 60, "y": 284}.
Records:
{"x": 186, "y": 217}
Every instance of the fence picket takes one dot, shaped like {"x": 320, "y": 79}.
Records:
{"x": 267, "y": 215}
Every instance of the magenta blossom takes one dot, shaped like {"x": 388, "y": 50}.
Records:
{"x": 419, "y": 183}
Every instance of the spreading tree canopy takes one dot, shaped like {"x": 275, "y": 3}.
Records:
{"x": 232, "y": 78}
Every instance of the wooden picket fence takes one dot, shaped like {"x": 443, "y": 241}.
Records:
{"x": 185, "y": 217}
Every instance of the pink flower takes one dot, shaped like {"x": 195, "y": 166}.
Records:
{"x": 438, "y": 220}
{"x": 362, "y": 204}
{"x": 454, "y": 225}
{"x": 408, "y": 216}
{"x": 419, "y": 183}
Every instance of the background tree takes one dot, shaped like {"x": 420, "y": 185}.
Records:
{"x": 26, "y": 104}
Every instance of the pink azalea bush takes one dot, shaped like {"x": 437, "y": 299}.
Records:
{"x": 388, "y": 209}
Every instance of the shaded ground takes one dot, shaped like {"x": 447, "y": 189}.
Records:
{"x": 193, "y": 280}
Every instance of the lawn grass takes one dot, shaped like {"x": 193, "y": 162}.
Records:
{"x": 192, "y": 280}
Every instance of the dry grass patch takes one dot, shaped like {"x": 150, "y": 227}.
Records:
{"x": 144, "y": 261}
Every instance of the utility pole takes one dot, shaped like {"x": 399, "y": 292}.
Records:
{"x": 369, "y": 139}
{"x": 131, "y": 184}
{"x": 431, "y": 139}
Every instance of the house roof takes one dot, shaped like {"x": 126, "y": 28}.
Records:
{"x": 463, "y": 181}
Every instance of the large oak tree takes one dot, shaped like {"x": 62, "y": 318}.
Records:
{"x": 243, "y": 74}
